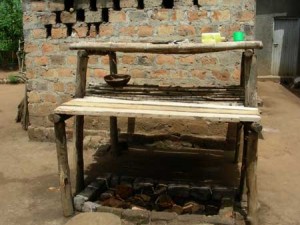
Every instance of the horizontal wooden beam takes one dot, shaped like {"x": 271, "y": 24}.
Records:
{"x": 171, "y": 48}
{"x": 153, "y": 109}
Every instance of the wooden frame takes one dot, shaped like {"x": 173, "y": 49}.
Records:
{"x": 251, "y": 129}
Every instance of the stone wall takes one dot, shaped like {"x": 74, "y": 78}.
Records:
{"x": 49, "y": 27}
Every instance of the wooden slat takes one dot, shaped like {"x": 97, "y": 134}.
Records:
{"x": 171, "y": 48}
{"x": 123, "y": 108}
{"x": 135, "y": 105}
{"x": 227, "y": 94}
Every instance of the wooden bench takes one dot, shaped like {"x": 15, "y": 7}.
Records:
{"x": 245, "y": 112}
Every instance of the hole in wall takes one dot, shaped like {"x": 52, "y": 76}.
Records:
{"x": 48, "y": 30}
{"x": 97, "y": 25}
{"x": 168, "y": 4}
{"x": 196, "y": 2}
{"x": 89, "y": 29}
{"x": 57, "y": 18}
{"x": 141, "y": 4}
{"x": 69, "y": 4}
{"x": 80, "y": 15}
{"x": 92, "y": 29}
{"x": 105, "y": 15}
{"x": 116, "y": 5}
{"x": 93, "y": 5}
{"x": 69, "y": 29}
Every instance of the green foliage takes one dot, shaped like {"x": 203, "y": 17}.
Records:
{"x": 13, "y": 79}
{"x": 10, "y": 24}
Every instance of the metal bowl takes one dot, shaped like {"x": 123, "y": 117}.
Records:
{"x": 117, "y": 80}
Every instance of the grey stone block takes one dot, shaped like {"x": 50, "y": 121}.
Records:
{"x": 112, "y": 210}
{"x": 90, "y": 207}
{"x": 106, "y": 177}
{"x": 139, "y": 217}
{"x": 79, "y": 201}
{"x": 100, "y": 185}
{"x": 126, "y": 180}
{"x": 200, "y": 193}
{"x": 163, "y": 216}
{"x": 138, "y": 16}
{"x": 93, "y": 16}
{"x": 152, "y": 3}
{"x": 144, "y": 185}
{"x": 89, "y": 193}
{"x": 179, "y": 190}
{"x": 114, "y": 181}
{"x": 220, "y": 192}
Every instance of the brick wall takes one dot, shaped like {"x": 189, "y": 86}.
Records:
{"x": 49, "y": 27}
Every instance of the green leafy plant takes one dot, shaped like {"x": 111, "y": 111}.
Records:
{"x": 10, "y": 24}
{"x": 12, "y": 79}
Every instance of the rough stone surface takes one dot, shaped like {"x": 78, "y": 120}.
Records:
{"x": 90, "y": 207}
{"x": 200, "y": 193}
{"x": 139, "y": 217}
{"x": 79, "y": 201}
{"x": 95, "y": 218}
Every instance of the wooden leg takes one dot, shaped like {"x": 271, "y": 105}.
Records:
{"x": 244, "y": 161}
{"x": 78, "y": 153}
{"x": 131, "y": 125}
{"x": 114, "y": 135}
{"x": 63, "y": 168}
{"x": 239, "y": 136}
{"x": 251, "y": 179}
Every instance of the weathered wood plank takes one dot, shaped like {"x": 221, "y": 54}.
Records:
{"x": 150, "y": 113}
{"x": 246, "y": 130}
{"x": 250, "y": 79}
{"x": 132, "y": 107}
{"x": 97, "y": 101}
{"x": 63, "y": 168}
{"x": 239, "y": 143}
{"x": 184, "y": 48}
{"x": 251, "y": 178}
{"x": 82, "y": 61}
{"x": 78, "y": 156}
{"x": 113, "y": 63}
{"x": 131, "y": 125}
{"x": 113, "y": 120}
{"x": 114, "y": 135}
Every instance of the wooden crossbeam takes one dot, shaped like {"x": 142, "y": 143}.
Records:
{"x": 171, "y": 48}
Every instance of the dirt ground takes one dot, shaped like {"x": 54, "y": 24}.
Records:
{"x": 28, "y": 170}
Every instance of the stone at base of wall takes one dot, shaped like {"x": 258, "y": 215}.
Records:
{"x": 7, "y": 81}
{"x": 149, "y": 127}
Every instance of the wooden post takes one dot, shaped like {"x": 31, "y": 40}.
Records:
{"x": 114, "y": 136}
{"x": 131, "y": 125}
{"x": 82, "y": 61}
{"x": 113, "y": 120}
{"x": 244, "y": 161}
{"x": 113, "y": 63}
{"x": 63, "y": 168}
{"x": 250, "y": 78}
{"x": 242, "y": 78}
{"x": 239, "y": 136}
{"x": 251, "y": 178}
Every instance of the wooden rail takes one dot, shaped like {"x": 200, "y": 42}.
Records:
{"x": 171, "y": 48}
